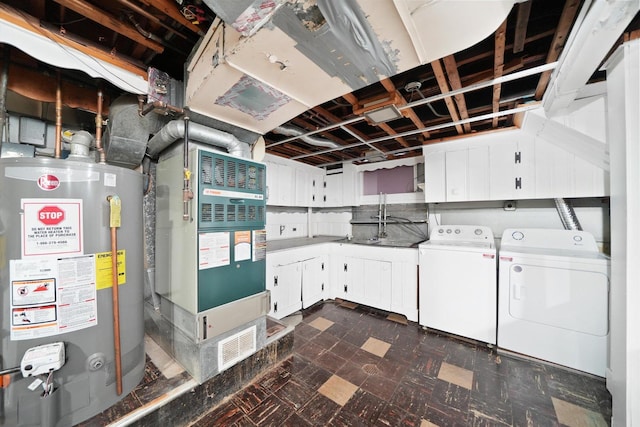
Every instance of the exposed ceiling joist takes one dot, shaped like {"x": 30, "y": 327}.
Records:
{"x": 438, "y": 72}
{"x": 454, "y": 80}
{"x": 498, "y": 67}
{"x": 524, "y": 9}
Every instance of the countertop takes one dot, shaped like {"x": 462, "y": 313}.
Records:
{"x": 282, "y": 244}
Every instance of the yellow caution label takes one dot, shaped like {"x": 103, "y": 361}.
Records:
{"x": 104, "y": 278}
{"x": 115, "y": 204}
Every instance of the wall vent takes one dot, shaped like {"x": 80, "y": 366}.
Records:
{"x": 236, "y": 347}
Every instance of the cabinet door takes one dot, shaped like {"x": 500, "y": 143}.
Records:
{"x": 456, "y": 175}
{"x": 286, "y": 290}
{"x": 317, "y": 189}
{"x": 376, "y": 286}
{"x": 434, "y": 177}
{"x": 315, "y": 275}
{"x": 404, "y": 290}
{"x": 285, "y": 185}
{"x": 272, "y": 183}
{"x": 333, "y": 190}
{"x": 478, "y": 173}
{"x": 352, "y": 280}
{"x": 512, "y": 174}
{"x": 302, "y": 188}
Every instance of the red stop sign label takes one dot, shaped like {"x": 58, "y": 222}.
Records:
{"x": 51, "y": 215}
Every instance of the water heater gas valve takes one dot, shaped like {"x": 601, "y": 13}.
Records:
{"x": 42, "y": 359}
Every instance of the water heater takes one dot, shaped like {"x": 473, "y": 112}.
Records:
{"x": 56, "y": 289}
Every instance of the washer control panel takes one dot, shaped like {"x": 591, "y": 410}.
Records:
{"x": 462, "y": 233}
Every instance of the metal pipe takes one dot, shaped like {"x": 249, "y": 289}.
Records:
{"x": 160, "y": 106}
{"x": 175, "y": 129}
{"x": 187, "y": 194}
{"x": 99, "y": 129}
{"x": 150, "y": 16}
{"x": 58, "y": 143}
{"x": 4, "y": 83}
{"x": 114, "y": 214}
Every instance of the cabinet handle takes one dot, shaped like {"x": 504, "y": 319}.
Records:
{"x": 322, "y": 287}
{"x": 324, "y": 198}
{"x": 275, "y": 307}
{"x": 275, "y": 280}
{"x": 518, "y": 183}
{"x": 518, "y": 158}
{"x": 345, "y": 267}
{"x": 313, "y": 198}
{"x": 322, "y": 267}
{"x": 345, "y": 289}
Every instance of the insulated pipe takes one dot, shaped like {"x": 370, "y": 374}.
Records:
{"x": 58, "y": 145}
{"x": 567, "y": 215}
{"x": 175, "y": 130}
{"x": 4, "y": 83}
{"x": 99, "y": 129}
{"x": 318, "y": 142}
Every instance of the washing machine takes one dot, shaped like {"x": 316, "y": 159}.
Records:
{"x": 458, "y": 291}
{"x": 554, "y": 297}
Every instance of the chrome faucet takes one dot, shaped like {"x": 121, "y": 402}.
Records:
{"x": 382, "y": 216}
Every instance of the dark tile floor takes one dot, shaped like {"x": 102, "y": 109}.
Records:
{"x": 355, "y": 367}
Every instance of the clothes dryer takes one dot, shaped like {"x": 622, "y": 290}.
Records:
{"x": 554, "y": 297}
{"x": 458, "y": 283}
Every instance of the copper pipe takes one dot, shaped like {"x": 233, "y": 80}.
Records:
{"x": 99, "y": 129}
{"x": 116, "y": 306}
{"x": 58, "y": 144}
{"x": 161, "y": 106}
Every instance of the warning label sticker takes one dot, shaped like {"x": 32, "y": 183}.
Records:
{"x": 51, "y": 227}
{"x": 50, "y": 296}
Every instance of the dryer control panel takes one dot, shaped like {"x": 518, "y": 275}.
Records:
{"x": 539, "y": 238}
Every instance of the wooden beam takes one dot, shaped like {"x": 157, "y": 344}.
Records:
{"x": 32, "y": 24}
{"x": 407, "y": 112}
{"x": 168, "y": 7}
{"x": 521, "y": 26}
{"x": 559, "y": 39}
{"x": 498, "y": 67}
{"x": 454, "y": 80}
{"x": 444, "y": 88}
{"x": 106, "y": 20}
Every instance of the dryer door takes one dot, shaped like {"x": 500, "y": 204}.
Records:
{"x": 572, "y": 299}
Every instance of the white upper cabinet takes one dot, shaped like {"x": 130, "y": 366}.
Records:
{"x": 508, "y": 165}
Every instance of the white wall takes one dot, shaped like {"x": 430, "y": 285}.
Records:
{"x": 623, "y": 104}
{"x": 593, "y": 215}
{"x": 296, "y": 222}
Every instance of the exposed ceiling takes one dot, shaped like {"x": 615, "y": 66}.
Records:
{"x": 137, "y": 34}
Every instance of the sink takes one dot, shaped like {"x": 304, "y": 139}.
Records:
{"x": 386, "y": 242}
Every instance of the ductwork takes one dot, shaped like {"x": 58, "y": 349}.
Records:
{"x": 175, "y": 129}
{"x": 318, "y": 142}
{"x": 567, "y": 215}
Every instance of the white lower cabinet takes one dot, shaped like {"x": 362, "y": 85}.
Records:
{"x": 380, "y": 277}
{"x": 315, "y": 279}
{"x": 284, "y": 281}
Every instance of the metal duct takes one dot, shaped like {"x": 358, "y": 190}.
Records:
{"x": 567, "y": 215}
{"x": 125, "y": 138}
{"x": 175, "y": 129}
{"x": 318, "y": 142}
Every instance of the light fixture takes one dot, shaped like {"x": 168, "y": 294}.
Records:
{"x": 384, "y": 114}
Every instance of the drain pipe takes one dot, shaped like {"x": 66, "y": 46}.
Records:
{"x": 175, "y": 130}
{"x": 567, "y": 215}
